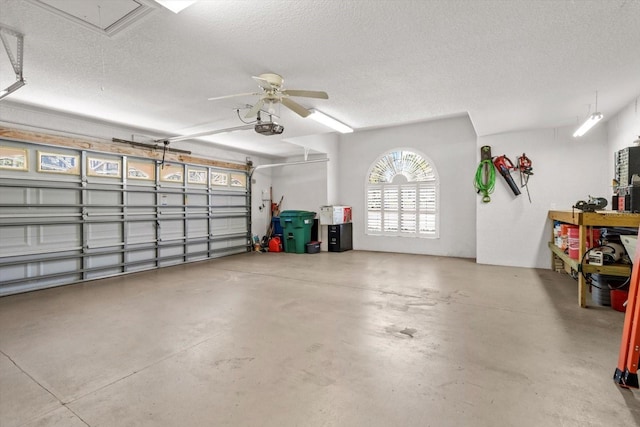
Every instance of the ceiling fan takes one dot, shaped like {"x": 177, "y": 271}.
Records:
{"x": 273, "y": 92}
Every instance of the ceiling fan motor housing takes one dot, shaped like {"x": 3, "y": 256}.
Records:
{"x": 274, "y": 80}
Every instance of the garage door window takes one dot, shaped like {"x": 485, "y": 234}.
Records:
{"x": 402, "y": 196}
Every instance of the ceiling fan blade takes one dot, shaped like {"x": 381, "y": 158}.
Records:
{"x": 306, "y": 93}
{"x": 295, "y": 107}
{"x": 254, "y": 110}
{"x": 234, "y": 96}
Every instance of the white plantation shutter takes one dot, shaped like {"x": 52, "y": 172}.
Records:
{"x": 408, "y": 208}
{"x": 390, "y": 221}
{"x": 374, "y": 210}
{"x": 374, "y": 221}
{"x": 390, "y": 204}
{"x": 390, "y": 201}
{"x": 427, "y": 205}
{"x": 428, "y": 197}
{"x": 374, "y": 199}
{"x": 402, "y": 209}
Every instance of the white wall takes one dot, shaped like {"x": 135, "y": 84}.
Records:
{"x": 450, "y": 144}
{"x": 260, "y": 210}
{"x": 309, "y": 186}
{"x": 623, "y": 129}
{"x": 304, "y": 187}
{"x": 510, "y": 230}
{"x": 325, "y": 143}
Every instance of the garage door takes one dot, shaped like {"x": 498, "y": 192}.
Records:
{"x": 71, "y": 215}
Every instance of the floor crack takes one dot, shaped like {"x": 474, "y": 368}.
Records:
{"x": 45, "y": 389}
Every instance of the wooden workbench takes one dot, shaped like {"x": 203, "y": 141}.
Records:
{"x": 585, "y": 220}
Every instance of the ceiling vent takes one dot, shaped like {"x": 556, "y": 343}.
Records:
{"x": 107, "y": 17}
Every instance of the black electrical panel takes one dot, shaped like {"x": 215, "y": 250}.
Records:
{"x": 627, "y": 164}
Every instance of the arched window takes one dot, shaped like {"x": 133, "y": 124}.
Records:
{"x": 402, "y": 195}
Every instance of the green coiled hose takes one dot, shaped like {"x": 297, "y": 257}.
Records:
{"x": 485, "y": 180}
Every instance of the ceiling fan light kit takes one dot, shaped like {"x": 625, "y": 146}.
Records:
{"x": 329, "y": 121}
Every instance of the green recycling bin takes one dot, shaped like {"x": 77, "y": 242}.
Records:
{"x": 296, "y": 230}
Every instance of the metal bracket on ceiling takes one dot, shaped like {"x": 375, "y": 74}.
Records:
{"x": 16, "y": 61}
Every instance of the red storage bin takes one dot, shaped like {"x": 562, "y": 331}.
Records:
{"x": 618, "y": 298}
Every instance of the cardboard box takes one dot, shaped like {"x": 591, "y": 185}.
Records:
{"x": 334, "y": 215}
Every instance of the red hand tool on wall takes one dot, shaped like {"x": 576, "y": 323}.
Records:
{"x": 526, "y": 170}
{"x": 504, "y": 166}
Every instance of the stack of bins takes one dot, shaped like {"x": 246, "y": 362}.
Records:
{"x": 296, "y": 230}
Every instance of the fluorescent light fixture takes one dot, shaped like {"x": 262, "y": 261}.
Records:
{"x": 14, "y": 87}
{"x": 329, "y": 121}
{"x": 588, "y": 124}
{"x": 176, "y": 6}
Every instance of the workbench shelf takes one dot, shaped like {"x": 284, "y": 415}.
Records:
{"x": 585, "y": 220}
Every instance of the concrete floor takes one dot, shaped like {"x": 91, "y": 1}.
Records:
{"x": 331, "y": 339}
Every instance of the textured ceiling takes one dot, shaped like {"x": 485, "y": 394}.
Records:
{"x": 510, "y": 65}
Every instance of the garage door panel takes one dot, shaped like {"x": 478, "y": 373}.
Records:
{"x": 102, "y": 265}
{"x": 39, "y": 238}
{"x": 13, "y": 272}
{"x": 17, "y": 195}
{"x": 137, "y": 260}
{"x": 226, "y": 244}
{"x": 198, "y": 199}
{"x": 171, "y": 199}
{"x": 57, "y": 236}
{"x": 15, "y": 239}
{"x": 141, "y": 232}
{"x": 57, "y": 196}
{"x": 37, "y": 283}
{"x": 221, "y": 225}
{"x": 237, "y": 225}
{"x": 171, "y": 230}
{"x": 228, "y": 200}
{"x": 197, "y": 251}
{"x": 98, "y": 197}
{"x": 104, "y": 234}
{"x": 198, "y": 228}
{"x": 138, "y": 198}
{"x": 171, "y": 256}
{"x": 59, "y": 266}
{"x": 69, "y": 226}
